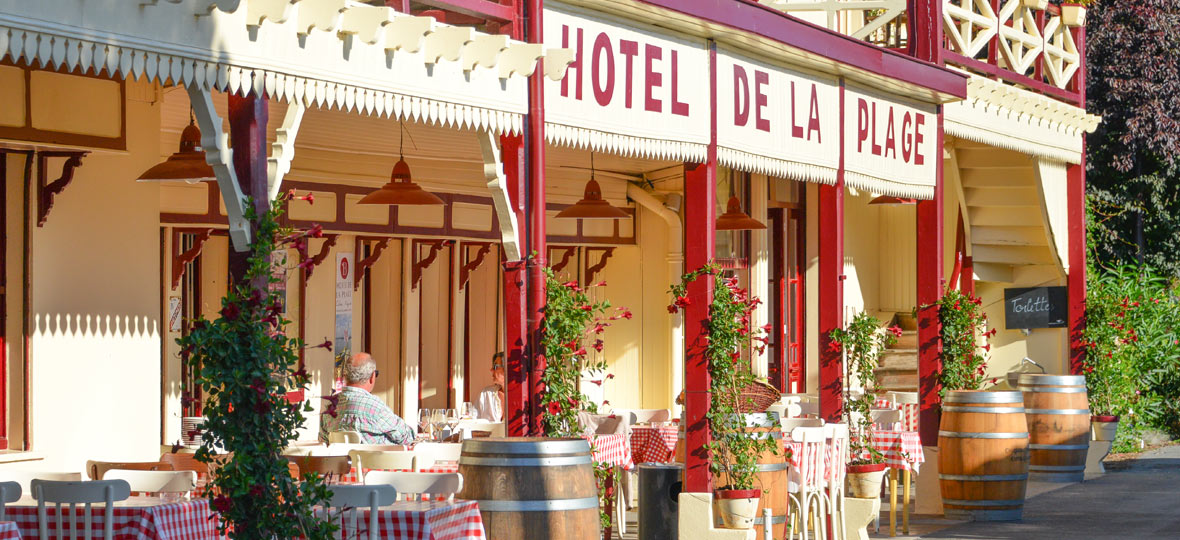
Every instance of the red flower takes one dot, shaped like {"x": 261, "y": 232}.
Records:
{"x": 580, "y": 352}
{"x": 610, "y": 375}
{"x": 987, "y": 347}
{"x": 895, "y": 330}
{"x": 600, "y": 283}
{"x": 230, "y": 312}
{"x": 672, "y": 309}
{"x": 627, "y": 314}
{"x": 554, "y": 408}
{"x": 570, "y": 284}
{"x": 573, "y": 402}
{"x": 596, "y": 382}
{"x": 176, "y": 447}
{"x": 834, "y": 346}
{"x": 316, "y": 231}
{"x": 598, "y": 345}
{"x": 256, "y": 490}
{"x": 327, "y": 344}
{"x": 222, "y": 504}
{"x": 587, "y": 307}
{"x": 683, "y": 301}
{"x": 310, "y": 198}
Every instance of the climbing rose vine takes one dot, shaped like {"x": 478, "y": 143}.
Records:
{"x": 964, "y": 342}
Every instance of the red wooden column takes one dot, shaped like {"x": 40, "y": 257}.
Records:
{"x": 516, "y": 374}
{"x": 1076, "y": 208}
{"x": 247, "y": 127}
{"x": 929, "y": 288}
{"x": 535, "y": 143}
{"x": 831, "y": 288}
{"x": 780, "y": 349}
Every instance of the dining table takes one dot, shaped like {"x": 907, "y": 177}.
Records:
{"x": 135, "y": 518}
{"x": 654, "y": 443}
{"x": 422, "y": 520}
{"x": 9, "y": 530}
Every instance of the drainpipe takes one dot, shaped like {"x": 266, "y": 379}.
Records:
{"x": 535, "y": 147}
{"x": 675, "y": 270}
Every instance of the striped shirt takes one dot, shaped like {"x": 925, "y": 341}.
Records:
{"x": 358, "y": 410}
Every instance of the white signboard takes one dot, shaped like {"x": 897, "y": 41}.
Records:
{"x": 342, "y": 343}
{"x": 783, "y": 121}
{"x": 890, "y": 146}
{"x": 630, "y": 80}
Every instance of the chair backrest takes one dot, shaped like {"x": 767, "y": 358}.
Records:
{"x": 645, "y": 416}
{"x": 808, "y": 408}
{"x": 349, "y": 437}
{"x": 73, "y": 494}
{"x": 601, "y": 424}
{"x": 412, "y": 486}
{"x": 837, "y": 454}
{"x": 96, "y": 469}
{"x": 348, "y": 501}
{"x": 886, "y": 418}
{"x": 813, "y": 448}
{"x": 25, "y": 478}
{"x": 156, "y": 481}
{"x": 785, "y": 410}
{"x": 390, "y": 460}
{"x": 802, "y": 398}
{"x": 908, "y": 403}
{"x": 788, "y": 424}
{"x": 430, "y": 453}
{"x": 330, "y": 467}
{"x": 9, "y": 492}
{"x": 185, "y": 462}
{"x": 494, "y": 429}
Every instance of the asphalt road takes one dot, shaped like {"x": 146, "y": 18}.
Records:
{"x": 1142, "y": 501}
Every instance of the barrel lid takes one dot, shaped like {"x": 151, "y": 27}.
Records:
{"x": 652, "y": 465}
{"x": 527, "y": 445}
{"x": 1037, "y": 379}
{"x": 979, "y": 396}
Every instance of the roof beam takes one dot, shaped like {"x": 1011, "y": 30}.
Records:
{"x": 483, "y": 9}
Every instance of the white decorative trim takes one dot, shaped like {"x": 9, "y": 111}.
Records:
{"x": 493, "y": 171}
{"x": 624, "y": 145}
{"x": 282, "y": 151}
{"x": 778, "y": 168}
{"x": 219, "y": 156}
{"x": 887, "y": 187}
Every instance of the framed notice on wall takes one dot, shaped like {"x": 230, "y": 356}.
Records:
{"x": 1036, "y": 307}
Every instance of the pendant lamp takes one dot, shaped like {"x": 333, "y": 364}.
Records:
{"x": 889, "y": 199}
{"x": 401, "y": 189}
{"x": 186, "y": 165}
{"x": 592, "y": 206}
{"x": 735, "y": 220}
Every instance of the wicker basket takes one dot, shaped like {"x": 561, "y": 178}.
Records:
{"x": 757, "y": 397}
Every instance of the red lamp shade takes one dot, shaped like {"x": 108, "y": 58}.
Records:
{"x": 592, "y": 206}
{"x": 186, "y": 165}
{"x": 889, "y": 199}
{"x": 735, "y": 220}
{"x": 401, "y": 190}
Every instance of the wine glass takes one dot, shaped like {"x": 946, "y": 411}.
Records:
{"x": 452, "y": 419}
{"x": 438, "y": 418}
{"x": 424, "y": 420}
{"x": 467, "y": 411}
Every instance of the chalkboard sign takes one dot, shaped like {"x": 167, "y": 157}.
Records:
{"x": 1035, "y": 307}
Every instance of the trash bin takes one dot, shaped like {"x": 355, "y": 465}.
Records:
{"x": 659, "y": 499}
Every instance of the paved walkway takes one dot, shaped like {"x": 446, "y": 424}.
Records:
{"x": 1142, "y": 501}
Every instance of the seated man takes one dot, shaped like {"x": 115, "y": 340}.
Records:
{"x": 356, "y": 409}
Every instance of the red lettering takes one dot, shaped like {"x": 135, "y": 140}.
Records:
{"x": 862, "y": 124}
{"x": 629, "y": 49}
{"x": 907, "y": 138}
{"x": 761, "y": 79}
{"x": 652, "y": 79}
{"x": 741, "y": 96}
{"x": 796, "y": 130}
{"x": 890, "y": 136}
{"x": 575, "y": 66}
{"x": 605, "y": 91}
{"x": 678, "y": 108}
{"x": 920, "y": 119}
{"x": 876, "y": 148}
{"x": 813, "y": 119}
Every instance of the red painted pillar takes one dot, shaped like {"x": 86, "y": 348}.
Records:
{"x": 535, "y": 143}
{"x": 516, "y": 391}
{"x": 925, "y": 29}
{"x": 1076, "y": 208}
{"x": 929, "y": 266}
{"x": 700, "y": 234}
{"x": 247, "y": 127}
{"x": 779, "y": 351}
{"x": 831, "y": 288}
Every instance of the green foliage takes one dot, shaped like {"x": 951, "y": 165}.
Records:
{"x": 245, "y": 365}
{"x": 863, "y": 342}
{"x": 1132, "y": 359}
{"x": 735, "y": 453}
{"x": 964, "y": 327}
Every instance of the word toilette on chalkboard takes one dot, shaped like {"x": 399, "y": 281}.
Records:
{"x": 1036, "y": 307}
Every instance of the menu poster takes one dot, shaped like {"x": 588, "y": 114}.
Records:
{"x": 342, "y": 343}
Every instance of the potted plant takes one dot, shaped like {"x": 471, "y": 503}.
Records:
{"x": 1073, "y": 13}
{"x": 1111, "y": 343}
{"x": 863, "y": 341}
{"x": 1036, "y": 4}
{"x": 734, "y": 452}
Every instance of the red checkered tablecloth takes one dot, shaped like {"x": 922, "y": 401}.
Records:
{"x": 902, "y": 449}
{"x": 909, "y": 412}
{"x": 9, "y": 530}
{"x": 613, "y": 449}
{"x": 424, "y": 520}
{"x": 137, "y": 518}
{"x": 653, "y": 444}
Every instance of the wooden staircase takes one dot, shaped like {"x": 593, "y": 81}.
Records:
{"x": 898, "y": 369}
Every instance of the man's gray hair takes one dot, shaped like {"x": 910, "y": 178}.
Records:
{"x": 359, "y": 368}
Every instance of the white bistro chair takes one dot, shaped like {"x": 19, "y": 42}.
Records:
{"x": 345, "y": 508}
{"x": 806, "y": 488}
{"x": 430, "y": 453}
{"x": 155, "y": 481}
{"x": 25, "y": 478}
{"x": 345, "y": 437}
{"x": 837, "y": 456}
{"x": 397, "y": 460}
{"x": 10, "y": 492}
{"x": 73, "y": 494}
{"x": 412, "y": 486}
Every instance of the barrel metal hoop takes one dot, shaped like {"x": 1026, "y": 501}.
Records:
{"x": 774, "y": 520}
{"x": 1058, "y": 447}
{"x": 984, "y": 397}
{"x": 544, "y": 505}
{"x": 984, "y": 477}
{"x": 1056, "y": 468}
{"x": 997, "y": 410}
{"x": 995, "y": 502}
{"x": 557, "y": 461}
{"x": 569, "y": 446}
{"x": 973, "y": 435}
{"x": 1059, "y": 411}
{"x": 1036, "y": 379}
{"x": 771, "y": 467}
{"x": 1057, "y": 390}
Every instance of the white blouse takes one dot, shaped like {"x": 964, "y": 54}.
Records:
{"x": 489, "y": 405}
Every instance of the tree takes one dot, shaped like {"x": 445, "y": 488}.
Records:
{"x": 1133, "y": 81}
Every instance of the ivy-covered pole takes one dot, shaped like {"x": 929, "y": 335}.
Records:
{"x": 247, "y": 125}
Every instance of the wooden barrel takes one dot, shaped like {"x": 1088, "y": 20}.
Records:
{"x": 983, "y": 455}
{"x": 532, "y": 487}
{"x": 1058, "y": 416}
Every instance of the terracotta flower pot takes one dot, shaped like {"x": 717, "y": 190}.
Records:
{"x": 738, "y": 507}
{"x": 1104, "y": 427}
{"x": 1073, "y": 15}
{"x": 864, "y": 481}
